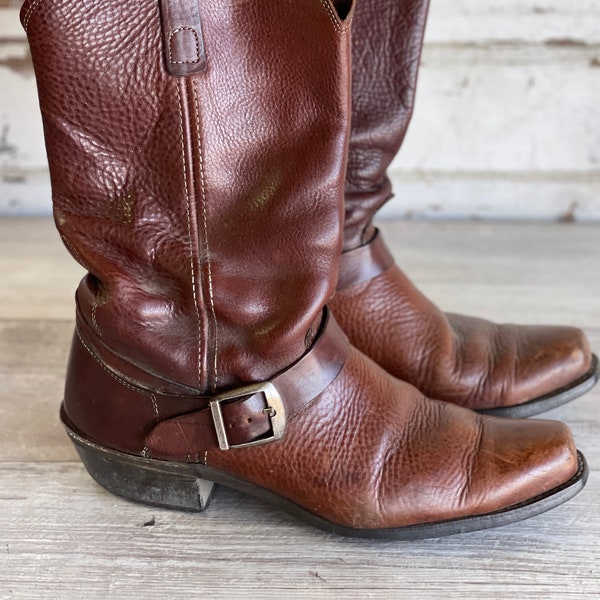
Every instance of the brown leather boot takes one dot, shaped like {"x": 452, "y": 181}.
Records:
{"x": 507, "y": 370}
{"x": 197, "y": 152}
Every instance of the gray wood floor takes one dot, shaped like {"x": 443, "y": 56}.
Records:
{"x": 63, "y": 537}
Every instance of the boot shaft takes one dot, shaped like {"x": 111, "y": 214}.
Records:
{"x": 197, "y": 153}
{"x": 387, "y": 39}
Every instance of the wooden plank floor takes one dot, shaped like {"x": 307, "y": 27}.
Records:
{"x": 62, "y": 537}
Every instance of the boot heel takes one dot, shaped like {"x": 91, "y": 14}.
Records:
{"x": 150, "y": 481}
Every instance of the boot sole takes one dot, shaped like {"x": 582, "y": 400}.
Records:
{"x": 189, "y": 487}
{"x": 552, "y": 400}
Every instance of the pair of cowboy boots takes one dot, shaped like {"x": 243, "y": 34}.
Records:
{"x": 202, "y": 157}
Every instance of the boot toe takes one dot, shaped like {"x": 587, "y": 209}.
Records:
{"x": 549, "y": 359}
{"x": 456, "y": 464}
{"x": 519, "y": 460}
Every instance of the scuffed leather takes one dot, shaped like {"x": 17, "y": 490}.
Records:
{"x": 385, "y": 456}
{"x": 208, "y": 211}
{"x": 179, "y": 195}
{"x": 468, "y": 361}
{"x": 369, "y": 452}
{"x": 387, "y": 38}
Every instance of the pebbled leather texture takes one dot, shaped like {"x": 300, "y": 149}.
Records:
{"x": 178, "y": 194}
{"x": 465, "y": 360}
{"x": 389, "y": 457}
{"x": 208, "y": 211}
{"x": 387, "y": 38}
{"x": 368, "y": 452}
{"x": 468, "y": 361}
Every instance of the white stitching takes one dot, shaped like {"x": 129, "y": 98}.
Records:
{"x": 206, "y": 457}
{"x": 29, "y": 13}
{"x": 206, "y": 249}
{"x": 107, "y": 370}
{"x": 155, "y": 407}
{"x": 189, "y": 222}
{"x": 94, "y": 321}
{"x": 183, "y": 62}
{"x": 73, "y": 250}
{"x": 334, "y": 19}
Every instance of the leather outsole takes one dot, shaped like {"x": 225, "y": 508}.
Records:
{"x": 188, "y": 487}
{"x": 554, "y": 399}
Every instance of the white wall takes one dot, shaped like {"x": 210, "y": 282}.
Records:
{"x": 507, "y": 123}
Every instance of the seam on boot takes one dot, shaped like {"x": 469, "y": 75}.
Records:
{"x": 189, "y": 224}
{"x": 341, "y": 25}
{"x": 206, "y": 247}
{"x": 29, "y": 14}
{"x": 108, "y": 371}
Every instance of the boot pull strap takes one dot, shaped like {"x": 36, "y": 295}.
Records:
{"x": 183, "y": 41}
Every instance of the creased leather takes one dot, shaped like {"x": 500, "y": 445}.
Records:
{"x": 465, "y": 360}
{"x": 370, "y": 451}
{"x": 381, "y": 462}
{"x": 162, "y": 169}
{"x": 208, "y": 211}
{"x": 470, "y": 362}
{"x": 387, "y": 38}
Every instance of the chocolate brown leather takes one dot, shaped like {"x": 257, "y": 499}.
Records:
{"x": 354, "y": 455}
{"x": 207, "y": 209}
{"x": 187, "y": 276}
{"x": 183, "y": 40}
{"x": 470, "y": 362}
{"x": 387, "y": 38}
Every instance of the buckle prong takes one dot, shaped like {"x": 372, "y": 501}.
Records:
{"x": 275, "y": 409}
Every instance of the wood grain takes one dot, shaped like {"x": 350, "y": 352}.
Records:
{"x": 505, "y": 124}
{"x": 64, "y": 538}
{"x": 39, "y": 275}
{"x": 510, "y": 272}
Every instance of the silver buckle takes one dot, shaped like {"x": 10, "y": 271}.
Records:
{"x": 274, "y": 408}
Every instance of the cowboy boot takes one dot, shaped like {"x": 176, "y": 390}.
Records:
{"x": 507, "y": 370}
{"x": 197, "y": 153}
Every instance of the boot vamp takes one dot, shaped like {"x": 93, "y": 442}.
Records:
{"x": 372, "y": 452}
{"x": 464, "y": 360}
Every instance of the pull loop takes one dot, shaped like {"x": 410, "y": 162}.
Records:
{"x": 183, "y": 41}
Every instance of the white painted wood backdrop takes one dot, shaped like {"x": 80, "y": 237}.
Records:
{"x": 507, "y": 123}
